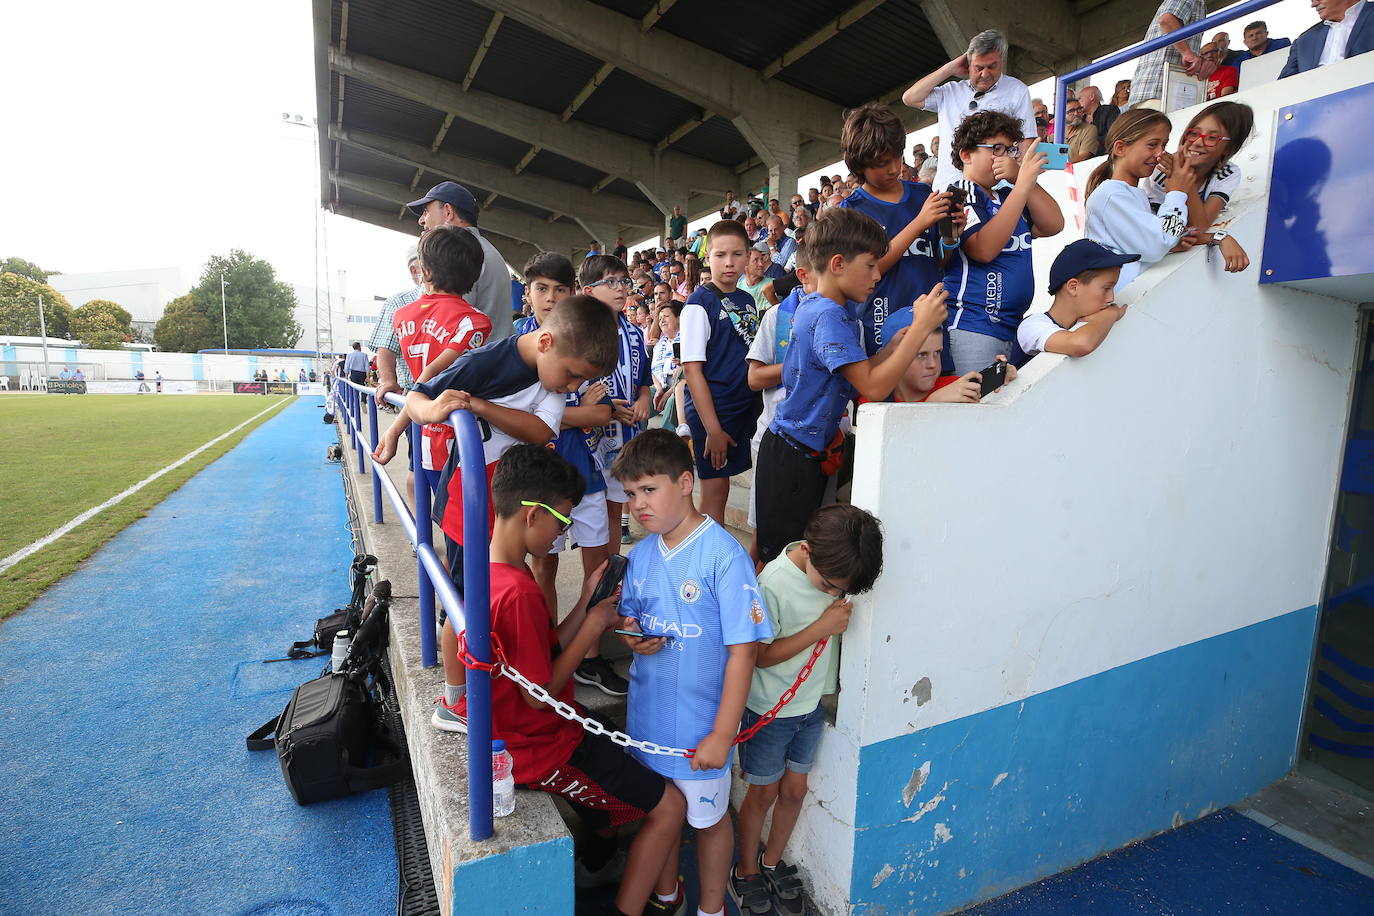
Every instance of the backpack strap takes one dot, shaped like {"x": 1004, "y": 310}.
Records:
{"x": 258, "y": 740}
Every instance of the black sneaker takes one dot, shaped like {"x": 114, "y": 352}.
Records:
{"x": 597, "y": 672}
{"x": 625, "y": 536}
{"x": 785, "y": 887}
{"x": 750, "y": 894}
{"x": 656, "y": 907}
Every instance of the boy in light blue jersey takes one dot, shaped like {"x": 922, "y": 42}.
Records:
{"x": 872, "y": 139}
{"x": 691, "y": 587}
{"x": 990, "y": 278}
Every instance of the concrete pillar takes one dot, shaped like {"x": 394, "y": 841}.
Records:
{"x": 779, "y": 146}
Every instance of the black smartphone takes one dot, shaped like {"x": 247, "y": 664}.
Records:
{"x": 638, "y": 635}
{"x": 994, "y": 377}
{"x": 610, "y": 580}
{"x": 677, "y": 351}
{"x": 957, "y": 198}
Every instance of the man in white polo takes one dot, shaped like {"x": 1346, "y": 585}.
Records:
{"x": 980, "y": 84}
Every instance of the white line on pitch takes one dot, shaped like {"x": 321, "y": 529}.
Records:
{"x": 25, "y": 552}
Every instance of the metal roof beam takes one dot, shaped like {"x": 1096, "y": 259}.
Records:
{"x": 480, "y": 54}
{"x": 532, "y": 229}
{"x": 666, "y": 178}
{"x": 535, "y": 190}
{"x": 820, "y": 37}
{"x": 702, "y": 76}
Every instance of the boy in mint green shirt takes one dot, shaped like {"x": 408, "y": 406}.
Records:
{"x": 805, "y": 593}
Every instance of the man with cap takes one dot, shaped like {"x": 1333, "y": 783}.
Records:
{"x": 450, "y": 204}
{"x": 1083, "y": 281}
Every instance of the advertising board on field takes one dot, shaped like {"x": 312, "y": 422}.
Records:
{"x": 310, "y": 388}
{"x": 281, "y": 387}
{"x": 66, "y": 386}
{"x": 248, "y": 387}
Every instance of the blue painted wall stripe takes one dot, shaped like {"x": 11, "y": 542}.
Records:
{"x": 1028, "y": 789}
{"x": 524, "y": 879}
{"x": 1346, "y": 695}
{"x": 198, "y": 367}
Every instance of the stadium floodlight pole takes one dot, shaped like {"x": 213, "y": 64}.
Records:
{"x": 224, "y": 313}
{"x": 43, "y": 332}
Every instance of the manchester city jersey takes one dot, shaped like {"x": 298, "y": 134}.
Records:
{"x": 703, "y": 596}
{"x": 990, "y": 298}
{"x": 916, "y": 271}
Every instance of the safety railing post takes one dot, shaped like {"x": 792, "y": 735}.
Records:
{"x": 429, "y": 655}
{"x": 376, "y": 471}
{"x": 358, "y": 428}
{"x": 477, "y": 619}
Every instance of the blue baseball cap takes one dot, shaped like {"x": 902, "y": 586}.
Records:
{"x": 896, "y": 321}
{"x": 1084, "y": 254}
{"x": 449, "y": 192}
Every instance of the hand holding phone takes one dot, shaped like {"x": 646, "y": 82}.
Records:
{"x": 994, "y": 377}
{"x": 1057, "y": 153}
{"x": 957, "y": 198}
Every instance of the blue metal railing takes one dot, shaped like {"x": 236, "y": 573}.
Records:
{"x": 471, "y": 613}
{"x": 1061, "y": 87}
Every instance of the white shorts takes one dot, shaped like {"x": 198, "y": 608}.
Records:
{"x": 590, "y": 525}
{"x": 708, "y": 800}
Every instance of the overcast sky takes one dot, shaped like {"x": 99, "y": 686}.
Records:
{"x": 149, "y": 134}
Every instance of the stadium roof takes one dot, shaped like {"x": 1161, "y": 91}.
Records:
{"x": 589, "y": 119}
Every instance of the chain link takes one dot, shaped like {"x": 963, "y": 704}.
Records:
{"x": 500, "y": 668}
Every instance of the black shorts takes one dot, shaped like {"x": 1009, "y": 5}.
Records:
{"x": 787, "y": 491}
{"x": 604, "y": 784}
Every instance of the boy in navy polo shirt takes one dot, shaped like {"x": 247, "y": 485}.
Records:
{"x": 990, "y": 278}
{"x": 872, "y": 140}
{"x": 718, "y": 326}
{"x": 825, "y": 367}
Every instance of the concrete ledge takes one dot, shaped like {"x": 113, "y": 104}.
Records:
{"x": 527, "y": 866}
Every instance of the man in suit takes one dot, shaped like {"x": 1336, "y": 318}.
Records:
{"x": 1346, "y": 29}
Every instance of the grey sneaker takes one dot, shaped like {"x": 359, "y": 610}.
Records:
{"x": 785, "y": 887}
{"x": 597, "y": 672}
{"x": 446, "y": 720}
{"x": 750, "y": 894}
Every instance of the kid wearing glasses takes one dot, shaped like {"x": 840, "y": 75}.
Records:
{"x": 990, "y": 279}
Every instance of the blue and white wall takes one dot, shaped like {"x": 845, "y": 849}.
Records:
{"x": 1099, "y": 600}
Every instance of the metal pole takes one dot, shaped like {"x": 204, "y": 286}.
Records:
{"x": 224, "y": 313}
{"x": 376, "y": 469}
{"x": 43, "y": 333}
{"x": 424, "y": 535}
{"x": 358, "y": 425}
{"x": 477, "y": 614}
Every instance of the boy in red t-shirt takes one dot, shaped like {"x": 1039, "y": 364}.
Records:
{"x": 434, "y": 330}
{"x": 922, "y": 381}
{"x": 532, "y": 491}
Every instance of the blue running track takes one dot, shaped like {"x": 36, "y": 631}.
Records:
{"x": 127, "y": 689}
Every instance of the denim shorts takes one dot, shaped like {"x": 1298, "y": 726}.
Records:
{"x": 783, "y": 744}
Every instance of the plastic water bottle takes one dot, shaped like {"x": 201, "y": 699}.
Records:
{"x": 502, "y": 780}
{"x": 341, "y": 643}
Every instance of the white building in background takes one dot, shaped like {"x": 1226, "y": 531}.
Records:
{"x": 146, "y": 292}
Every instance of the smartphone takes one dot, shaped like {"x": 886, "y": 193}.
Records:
{"x": 610, "y": 580}
{"x": 957, "y": 198}
{"x": 638, "y": 635}
{"x": 994, "y": 377}
{"x": 1058, "y": 153}
{"x": 677, "y": 351}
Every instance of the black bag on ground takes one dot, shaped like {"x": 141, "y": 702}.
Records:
{"x": 345, "y": 618}
{"x": 333, "y": 739}
{"x": 328, "y": 418}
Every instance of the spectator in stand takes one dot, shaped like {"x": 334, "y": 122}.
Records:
{"x": 677, "y": 228}
{"x": 593, "y": 248}
{"x": 1225, "y": 79}
{"x": 756, "y": 281}
{"x": 990, "y": 275}
{"x": 1258, "y": 43}
{"x": 935, "y": 147}
{"x": 1147, "y": 86}
{"x": 1346, "y": 29}
{"x": 755, "y": 231}
{"x": 981, "y": 86}
{"x": 620, "y": 250}
{"x": 1078, "y": 133}
{"x": 1121, "y": 93}
{"x": 926, "y": 175}
{"x": 1039, "y": 110}
{"x": 919, "y": 150}
{"x": 871, "y": 141}
{"x": 1098, "y": 115}
{"x": 393, "y": 376}
{"x": 923, "y": 380}
{"x": 356, "y": 364}
{"x": 300, "y": 376}
{"x": 781, "y": 246}
{"x": 813, "y": 200}
{"x": 718, "y": 326}
{"x": 1083, "y": 282}
{"x": 1119, "y": 214}
{"x": 732, "y": 209}
{"x": 450, "y": 204}
{"x": 1222, "y": 42}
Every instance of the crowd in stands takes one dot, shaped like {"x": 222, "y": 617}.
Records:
{"x": 627, "y": 386}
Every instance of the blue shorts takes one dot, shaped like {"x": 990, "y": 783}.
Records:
{"x": 738, "y": 457}
{"x": 783, "y": 744}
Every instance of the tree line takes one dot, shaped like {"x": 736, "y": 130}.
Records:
{"x": 259, "y": 308}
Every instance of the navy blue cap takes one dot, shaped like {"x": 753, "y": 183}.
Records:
{"x": 896, "y": 321}
{"x": 450, "y": 192}
{"x": 1084, "y": 254}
